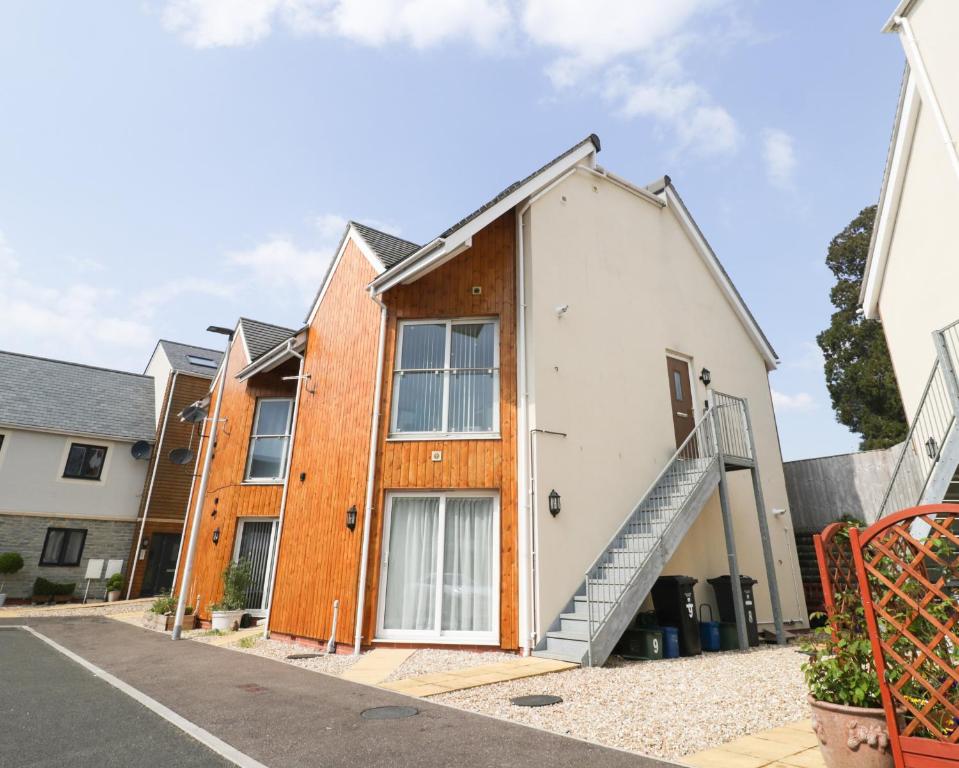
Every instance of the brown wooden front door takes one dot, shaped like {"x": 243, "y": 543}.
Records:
{"x": 680, "y": 398}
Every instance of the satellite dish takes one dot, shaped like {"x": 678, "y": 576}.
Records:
{"x": 141, "y": 449}
{"x": 193, "y": 413}
{"x": 181, "y": 456}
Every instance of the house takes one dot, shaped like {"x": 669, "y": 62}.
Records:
{"x": 913, "y": 263}
{"x": 500, "y": 438}
{"x": 181, "y": 375}
{"x": 69, "y": 484}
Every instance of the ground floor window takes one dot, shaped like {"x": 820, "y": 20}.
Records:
{"x": 440, "y": 574}
{"x": 63, "y": 546}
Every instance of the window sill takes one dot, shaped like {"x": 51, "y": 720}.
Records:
{"x": 436, "y": 437}
{"x": 262, "y": 482}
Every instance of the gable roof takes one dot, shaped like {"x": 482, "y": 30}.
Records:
{"x": 71, "y": 398}
{"x": 179, "y": 356}
{"x": 389, "y": 249}
{"x": 261, "y": 337}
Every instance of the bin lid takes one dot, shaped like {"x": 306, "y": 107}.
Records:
{"x": 744, "y": 580}
{"x": 683, "y": 580}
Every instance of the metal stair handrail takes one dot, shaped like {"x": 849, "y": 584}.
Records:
{"x": 930, "y": 428}
{"x": 704, "y": 443}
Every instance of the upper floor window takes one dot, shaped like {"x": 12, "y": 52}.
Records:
{"x": 269, "y": 440}
{"x": 446, "y": 379}
{"x": 63, "y": 546}
{"x": 85, "y": 462}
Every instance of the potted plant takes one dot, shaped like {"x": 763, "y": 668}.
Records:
{"x": 114, "y": 587}
{"x": 848, "y": 717}
{"x": 227, "y": 612}
{"x": 10, "y": 563}
{"x": 162, "y": 613}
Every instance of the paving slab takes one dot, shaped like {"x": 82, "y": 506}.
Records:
{"x": 287, "y": 717}
{"x": 472, "y": 677}
{"x": 377, "y": 665}
{"x": 790, "y": 746}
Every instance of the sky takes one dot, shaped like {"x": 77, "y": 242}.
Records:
{"x": 166, "y": 165}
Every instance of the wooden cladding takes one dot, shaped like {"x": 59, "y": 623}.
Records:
{"x": 228, "y": 497}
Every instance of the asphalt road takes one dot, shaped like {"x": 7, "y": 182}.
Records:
{"x": 278, "y": 714}
{"x": 53, "y": 712}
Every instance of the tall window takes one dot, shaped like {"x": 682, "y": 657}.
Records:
{"x": 63, "y": 546}
{"x": 85, "y": 462}
{"x": 268, "y": 443}
{"x": 446, "y": 379}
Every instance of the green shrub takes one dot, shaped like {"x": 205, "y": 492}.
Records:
{"x": 165, "y": 603}
{"x": 10, "y": 562}
{"x": 46, "y": 588}
{"x": 236, "y": 580}
{"x": 115, "y": 582}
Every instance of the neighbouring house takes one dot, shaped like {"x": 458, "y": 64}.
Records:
{"x": 181, "y": 375}
{"x": 913, "y": 266}
{"x": 502, "y": 437}
{"x": 69, "y": 484}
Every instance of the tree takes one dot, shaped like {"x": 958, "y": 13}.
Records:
{"x": 859, "y": 373}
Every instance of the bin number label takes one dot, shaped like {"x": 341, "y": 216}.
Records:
{"x": 655, "y": 645}
{"x": 690, "y": 606}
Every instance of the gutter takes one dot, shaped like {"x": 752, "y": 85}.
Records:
{"x": 370, "y": 479}
{"x": 153, "y": 477}
{"x": 286, "y": 490}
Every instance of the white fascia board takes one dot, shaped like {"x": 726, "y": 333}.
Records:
{"x": 428, "y": 258}
{"x": 889, "y": 200}
{"x": 902, "y": 9}
{"x": 285, "y": 350}
{"x": 351, "y": 234}
{"x": 674, "y": 203}
{"x": 71, "y": 435}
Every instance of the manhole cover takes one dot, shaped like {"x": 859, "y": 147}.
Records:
{"x": 536, "y": 701}
{"x": 304, "y": 656}
{"x": 388, "y": 713}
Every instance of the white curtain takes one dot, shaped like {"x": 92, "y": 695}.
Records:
{"x": 411, "y": 570}
{"x": 468, "y": 579}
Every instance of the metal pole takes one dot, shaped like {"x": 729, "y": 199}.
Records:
{"x": 200, "y": 496}
{"x": 768, "y": 557}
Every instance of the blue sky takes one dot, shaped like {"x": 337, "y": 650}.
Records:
{"x": 166, "y": 165}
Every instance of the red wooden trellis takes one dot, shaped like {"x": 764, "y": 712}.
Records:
{"x": 908, "y": 570}
{"x": 837, "y": 571}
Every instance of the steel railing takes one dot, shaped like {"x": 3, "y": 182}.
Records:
{"x": 930, "y": 429}
{"x": 612, "y": 573}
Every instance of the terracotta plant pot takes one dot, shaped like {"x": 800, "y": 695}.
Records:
{"x": 851, "y": 737}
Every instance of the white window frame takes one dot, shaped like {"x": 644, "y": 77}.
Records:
{"x": 247, "y": 480}
{"x": 264, "y": 608}
{"x": 437, "y": 634}
{"x": 443, "y": 433}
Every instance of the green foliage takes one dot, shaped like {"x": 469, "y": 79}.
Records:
{"x": 165, "y": 603}
{"x": 841, "y": 668}
{"x": 859, "y": 374}
{"x": 10, "y": 562}
{"x": 236, "y": 580}
{"x": 46, "y": 588}
{"x": 115, "y": 583}
{"x": 247, "y": 642}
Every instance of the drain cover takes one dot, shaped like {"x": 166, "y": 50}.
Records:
{"x": 304, "y": 655}
{"x": 536, "y": 701}
{"x": 388, "y": 713}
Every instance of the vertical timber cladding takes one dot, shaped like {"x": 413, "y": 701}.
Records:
{"x": 318, "y": 560}
{"x": 171, "y": 487}
{"x": 226, "y": 492}
{"x": 467, "y": 464}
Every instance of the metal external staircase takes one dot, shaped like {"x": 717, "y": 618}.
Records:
{"x": 619, "y": 580}
{"x": 926, "y": 471}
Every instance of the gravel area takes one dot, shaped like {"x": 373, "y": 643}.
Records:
{"x": 93, "y": 609}
{"x": 664, "y": 708}
{"x": 334, "y": 664}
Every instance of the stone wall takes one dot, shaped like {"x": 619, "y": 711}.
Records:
{"x": 106, "y": 539}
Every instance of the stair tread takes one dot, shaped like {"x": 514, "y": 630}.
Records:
{"x": 561, "y": 634}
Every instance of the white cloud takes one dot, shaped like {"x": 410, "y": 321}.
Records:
{"x": 801, "y": 401}
{"x": 281, "y": 264}
{"x": 810, "y": 358}
{"x": 779, "y": 156}
{"x": 419, "y": 23}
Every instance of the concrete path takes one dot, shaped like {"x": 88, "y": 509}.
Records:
{"x": 284, "y": 716}
{"x": 792, "y": 746}
{"x": 377, "y": 665}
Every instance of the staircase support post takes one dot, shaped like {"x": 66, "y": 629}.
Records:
{"x": 768, "y": 557}
{"x": 730, "y": 534}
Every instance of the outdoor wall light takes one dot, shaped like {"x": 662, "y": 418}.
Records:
{"x": 216, "y": 535}
{"x": 351, "y": 518}
{"x": 554, "y": 503}
{"x": 705, "y": 376}
{"x": 145, "y": 543}
{"x": 932, "y": 448}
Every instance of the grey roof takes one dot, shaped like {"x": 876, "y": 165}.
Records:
{"x": 71, "y": 398}
{"x": 388, "y": 248}
{"x": 179, "y": 356}
{"x": 262, "y": 337}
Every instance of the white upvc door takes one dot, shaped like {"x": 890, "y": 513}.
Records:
{"x": 256, "y": 542}
{"x": 440, "y": 575}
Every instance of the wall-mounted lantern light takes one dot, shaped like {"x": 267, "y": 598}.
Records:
{"x": 351, "y": 518}
{"x": 216, "y": 535}
{"x": 705, "y": 376}
{"x": 144, "y": 545}
{"x": 554, "y": 503}
{"x": 932, "y": 448}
